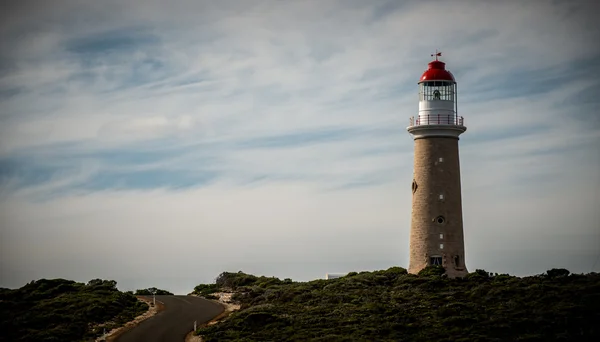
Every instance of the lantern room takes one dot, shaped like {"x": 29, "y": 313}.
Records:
{"x": 437, "y": 96}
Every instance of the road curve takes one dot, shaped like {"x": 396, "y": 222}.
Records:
{"x": 175, "y": 322}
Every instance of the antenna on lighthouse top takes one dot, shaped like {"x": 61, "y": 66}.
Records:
{"x": 437, "y": 54}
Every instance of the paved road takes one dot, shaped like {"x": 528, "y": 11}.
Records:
{"x": 173, "y": 323}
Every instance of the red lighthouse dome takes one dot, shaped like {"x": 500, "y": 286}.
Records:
{"x": 437, "y": 72}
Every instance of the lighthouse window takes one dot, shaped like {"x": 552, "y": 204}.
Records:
{"x": 441, "y": 236}
{"x": 440, "y": 220}
{"x": 435, "y": 260}
{"x": 441, "y": 246}
{"x": 437, "y": 90}
{"x": 441, "y": 197}
{"x": 441, "y": 160}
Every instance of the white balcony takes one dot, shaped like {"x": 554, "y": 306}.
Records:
{"x": 437, "y": 119}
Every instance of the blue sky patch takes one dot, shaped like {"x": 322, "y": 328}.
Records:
{"x": 119, "y": 40}
{"x": 299, "y": 139}
{"x": 149, "y": 179}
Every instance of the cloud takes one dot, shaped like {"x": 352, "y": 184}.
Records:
{"x": 272, "y": 134}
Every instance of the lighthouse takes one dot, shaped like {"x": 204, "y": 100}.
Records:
{"x": 436, "y": 232}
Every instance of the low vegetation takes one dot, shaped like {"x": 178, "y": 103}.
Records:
{"x": 152, "y": 290}
{"x": 64, "y": 310}
{"x": 230, "y": 281}
{"x": 392, "y": 305}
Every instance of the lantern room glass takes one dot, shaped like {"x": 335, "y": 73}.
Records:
{"x": 437, "y": 90}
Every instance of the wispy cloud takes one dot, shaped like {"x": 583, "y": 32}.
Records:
{"x": 280, "y": 126}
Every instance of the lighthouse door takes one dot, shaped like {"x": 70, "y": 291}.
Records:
{"x": 435, "y": 260}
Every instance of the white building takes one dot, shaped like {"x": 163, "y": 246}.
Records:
{"x": 334, "y": 275}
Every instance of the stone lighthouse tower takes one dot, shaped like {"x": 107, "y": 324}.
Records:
{"x": 436, "y": 234}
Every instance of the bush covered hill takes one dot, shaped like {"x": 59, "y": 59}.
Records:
{"x": 392, "y": 305}
{"x": 64, "y": 310}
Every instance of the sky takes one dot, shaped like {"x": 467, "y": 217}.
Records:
{"x": 162, "y": 143}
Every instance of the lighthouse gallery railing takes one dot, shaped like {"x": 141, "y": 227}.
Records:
{"x": 437, "y": 119}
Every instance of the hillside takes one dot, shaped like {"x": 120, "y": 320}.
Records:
{"x": 392, "y": 305}
{"x": 64, "y": 310}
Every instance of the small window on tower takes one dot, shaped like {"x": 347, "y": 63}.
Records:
{"x": 441, "y": 160}
{"x": 441, "y": 246}
{"x": 441, "y": 236}
{"x": 441, "y": 196}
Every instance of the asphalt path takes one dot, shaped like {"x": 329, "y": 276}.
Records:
{"x": 175, "y": 322}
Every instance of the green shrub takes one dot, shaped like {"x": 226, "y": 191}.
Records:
{"x": 432, "y": 270}
{"x": 63, "y": 310}
{"x": 206, "y": 289}
{"x": 557, "y": 273}
{"x": 391, "y": 305}
{"x": 152, "y": 290}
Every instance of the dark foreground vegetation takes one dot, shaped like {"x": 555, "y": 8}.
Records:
{"x": 392, "y": 305}
{"x": 64, "y": 310}
{"x": 152, "y": 290}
